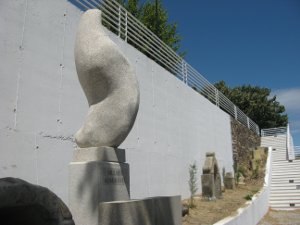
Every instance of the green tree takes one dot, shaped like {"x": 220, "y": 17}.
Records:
{"x": 193, "y": 183}
{"x": 155, "y": 17}
{"x": 257, "y": 103}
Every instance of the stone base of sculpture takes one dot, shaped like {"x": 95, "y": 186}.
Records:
{"x": 96, "y": 175}
{"x": 151, "y": 211}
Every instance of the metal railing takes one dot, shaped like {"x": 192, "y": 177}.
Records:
{"x": 127, "y": 27}
{"x": 274, "y": 131}
{"x": 292, "y": 151}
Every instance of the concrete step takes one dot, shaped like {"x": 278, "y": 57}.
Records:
{"x": 284, "y": 188}
{"x": 281, "y": 153}
{"x": 285, "y": 183}
{"x": 284, "y": 206}
{"x": 296, "y": 202}
{"x": 286, "y": 172}
{"x": 285, "y": 163}
{"x": 285, "y": 177}
{"x": 291, "y": 198}
{"x": 289, "y": 193}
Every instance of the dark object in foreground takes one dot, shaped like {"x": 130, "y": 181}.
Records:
{"x": 184, "y": 210}
{"x": 28, "y": 204}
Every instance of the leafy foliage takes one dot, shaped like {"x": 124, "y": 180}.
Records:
{"x": 155, "y": 17}
{"x": 257, "y": 103}
{"x": 193, "y": 183}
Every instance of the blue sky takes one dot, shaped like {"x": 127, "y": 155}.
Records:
{"x": 253, "y": 42}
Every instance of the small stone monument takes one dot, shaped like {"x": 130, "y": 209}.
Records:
{"x": 98, "y": 172}
{"x": 229, "y": 181}
{"x": 211, "y": 179}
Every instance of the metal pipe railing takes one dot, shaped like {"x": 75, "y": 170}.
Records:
{"x": 116, "y": 18}
{"x": 291, "y": 150}
{"x": 273, "y": 131}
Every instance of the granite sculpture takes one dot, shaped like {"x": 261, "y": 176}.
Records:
{"x": 109, "y": 83}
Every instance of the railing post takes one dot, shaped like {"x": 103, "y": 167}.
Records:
{"x": 184, "y": 72}
{"x": 126, "y": 28}
{"x": 235, "y": 112}
{"x": 119, "y": 22}
{"x": 217, "y": 97}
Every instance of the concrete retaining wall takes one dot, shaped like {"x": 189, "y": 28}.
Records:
{"x": 43, "y": 105}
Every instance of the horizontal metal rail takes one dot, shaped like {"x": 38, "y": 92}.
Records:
{"x": 273, "y": 131}
{"x": 127, "y": 27}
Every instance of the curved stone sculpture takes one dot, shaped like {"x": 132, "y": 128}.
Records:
{"x": 109, "y": 83}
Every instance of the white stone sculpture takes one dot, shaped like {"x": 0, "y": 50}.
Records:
{"x": 109, "y": 83}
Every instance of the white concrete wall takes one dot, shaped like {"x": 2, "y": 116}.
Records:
{"x": 42, "y": 106}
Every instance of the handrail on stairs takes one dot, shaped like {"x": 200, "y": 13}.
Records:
{"x": 289, "y": 140}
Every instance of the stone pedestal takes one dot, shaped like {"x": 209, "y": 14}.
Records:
{"x": 151, "y": 211}
{"x": 229, "y": 181}
{"x": 96, "y": 175}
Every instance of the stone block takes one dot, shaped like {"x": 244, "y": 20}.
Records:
{"x": 229, "y": 181}
{"x": 150, "y": 211}
{"x": 103, "y": 153}
{"x": 208, "y": 183}
{"x": 167, "y": 210}
{"x": 218, "y": 186}
{"x": 93, "y": 182}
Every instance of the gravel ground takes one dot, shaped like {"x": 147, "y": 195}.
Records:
{"x": 287, "y": 217}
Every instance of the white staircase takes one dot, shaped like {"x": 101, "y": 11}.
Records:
{"x": 285, "y": 184}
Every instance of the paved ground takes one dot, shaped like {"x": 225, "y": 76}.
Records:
{"x": 287, "y": 217}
